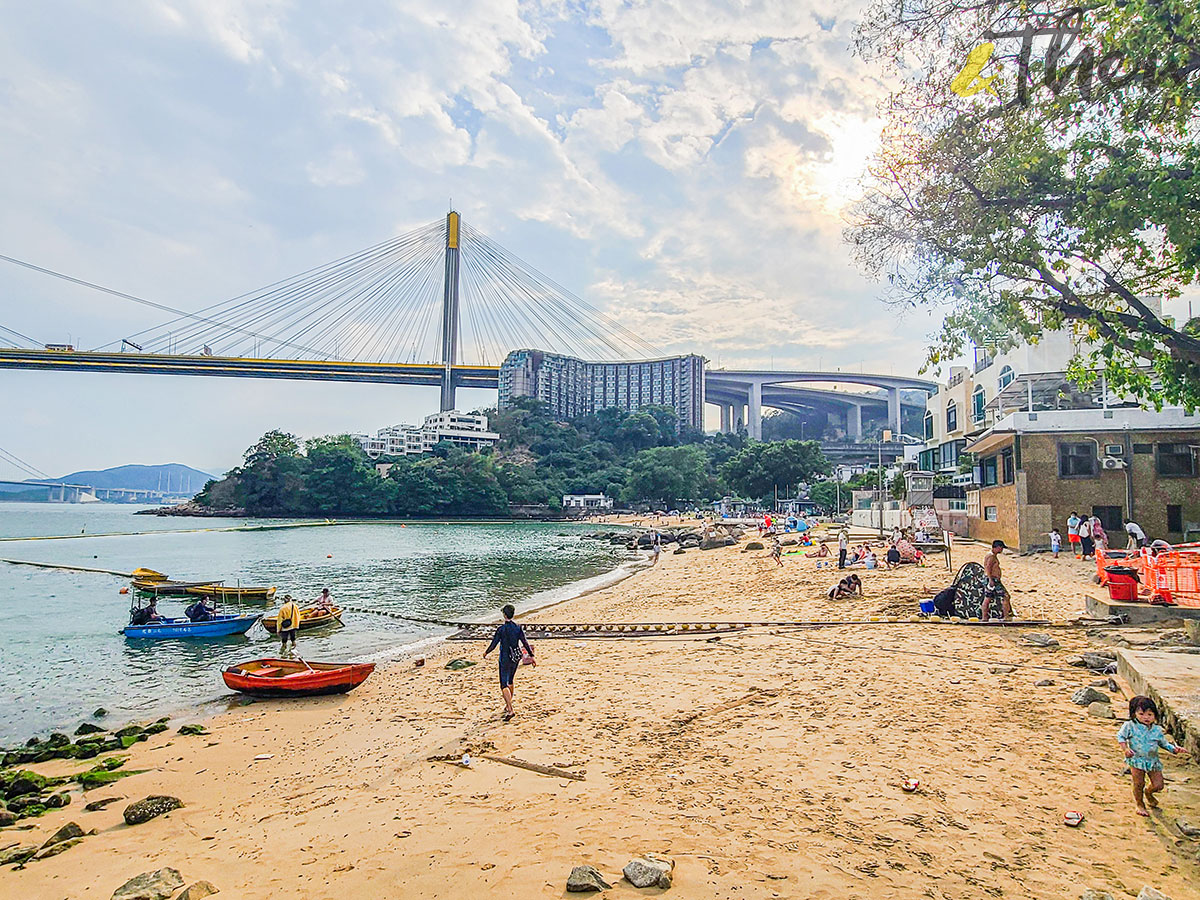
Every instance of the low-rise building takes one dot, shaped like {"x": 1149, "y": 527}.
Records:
{"x": 1053, "y": 450}
{"x": 468, "y": 431}
{"x": 587, "y": 502}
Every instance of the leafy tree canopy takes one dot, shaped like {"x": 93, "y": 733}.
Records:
{"x": 1040, "y": 169}
{"x": 761, "y": 467}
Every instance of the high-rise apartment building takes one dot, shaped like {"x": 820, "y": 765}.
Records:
{"x": 572, "y": 387}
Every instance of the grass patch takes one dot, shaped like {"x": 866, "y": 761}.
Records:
{"x": 99, "y": 777}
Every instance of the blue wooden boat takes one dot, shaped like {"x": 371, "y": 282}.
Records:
{"x": 218, "y": 626}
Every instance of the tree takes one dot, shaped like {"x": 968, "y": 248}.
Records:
{"x": 272, "y": 446}
{"x": 825, "y": 495}
{"x": 339, "y": 479}
{"x": 761, "y": 467}
{"x": 1045, "y": 178}
{"x": 667, "y": 474}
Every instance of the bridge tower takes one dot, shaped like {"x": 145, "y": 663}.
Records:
{"x": 450, "y": 312}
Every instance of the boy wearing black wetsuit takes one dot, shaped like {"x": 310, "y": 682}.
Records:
{"x": 510, "y": 638}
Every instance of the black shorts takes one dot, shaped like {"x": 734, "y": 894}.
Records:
{"x": 289, "y": 635}
{"x": 508, "y": 671}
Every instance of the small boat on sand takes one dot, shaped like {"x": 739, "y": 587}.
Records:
{"x": 218, "y": 626}
{"x": 310, "y": 617}
{"x": 231, "y": 592}
{"x": 295, "y": 677}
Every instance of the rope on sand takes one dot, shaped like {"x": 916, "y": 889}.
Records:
{"x": 949, "y": 656}
{"x": 482, "y": 630}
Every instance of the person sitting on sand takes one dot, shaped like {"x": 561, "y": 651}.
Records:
{"x": 824, "y": 551}
{"x": 847, "y": 587}
{"x": 510, "y": 639}
{"x": 944, "y": 600}
{"x": 893, "y": 557}
{"x": 908, "y": 553}
{"x": 1141, "y": 737}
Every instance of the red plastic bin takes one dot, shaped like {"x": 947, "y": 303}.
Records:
{"x": 1123, "y": 584}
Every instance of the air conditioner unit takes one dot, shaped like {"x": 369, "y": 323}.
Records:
{"x": 1112, "y": 462}
{"x": 1114, "y": 450}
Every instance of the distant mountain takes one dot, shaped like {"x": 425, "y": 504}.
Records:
{"x": 174, "y": 478}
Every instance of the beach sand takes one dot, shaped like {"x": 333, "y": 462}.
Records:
{"x": 766, "y": 763}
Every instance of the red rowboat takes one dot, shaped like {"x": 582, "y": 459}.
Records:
{"x": 295, "y": 678}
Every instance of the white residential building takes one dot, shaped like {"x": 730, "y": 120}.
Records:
{"x": 468, "y": 431}
{"x": 963, "y": 406}
{"x": 587, "y": 501}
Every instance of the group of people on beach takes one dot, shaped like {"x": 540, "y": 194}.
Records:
{"x": 1086, "y": 536}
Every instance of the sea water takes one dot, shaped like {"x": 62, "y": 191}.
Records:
{"x": 61, "y": 655}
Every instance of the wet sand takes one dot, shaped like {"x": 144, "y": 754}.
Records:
{"x": 767, "y": 763}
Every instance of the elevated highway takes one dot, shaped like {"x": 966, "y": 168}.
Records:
{"x": 750, "y": 389}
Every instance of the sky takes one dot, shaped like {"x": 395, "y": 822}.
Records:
{"x": 684, "y": 166}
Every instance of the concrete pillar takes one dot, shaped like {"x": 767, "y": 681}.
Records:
{"x": 754, "y": 412}
{"x": 854, "y": 421}
{"x": 894, "y": 409}
{"x": 726, "y": 417}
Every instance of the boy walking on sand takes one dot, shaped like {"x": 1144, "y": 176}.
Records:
{"x": 510, "y": 638}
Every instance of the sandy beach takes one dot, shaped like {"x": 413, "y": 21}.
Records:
{"x": 766, "y": 763}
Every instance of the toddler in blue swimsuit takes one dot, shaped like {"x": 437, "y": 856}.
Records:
{"x": 1140, "y": 738}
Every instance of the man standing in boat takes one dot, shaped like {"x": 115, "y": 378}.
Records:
{"x": 511, "y": 638}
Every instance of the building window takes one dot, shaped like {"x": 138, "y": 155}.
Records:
{"x": 988, "y": 478}
{"x": 1110, "y": 517}
{"x": 1008, "y": 471}
{"x": 1174, "y": 518}
{"x": 928, "y": 425}
{"x": 1006, "y": 377}
{"x": 958, "y": 505}
{"x": 951, "y": 416}
{"x": 1175, "y": 460}
{"x": 978, "y": 401}
{"x": 1077, "y": 460}
{"x": 1143, "y": 449}
{"x": 990, "y": 514}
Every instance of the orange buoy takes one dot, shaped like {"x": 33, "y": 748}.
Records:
{"x": 124, "y": 590}
{"x": 329, "y": 556}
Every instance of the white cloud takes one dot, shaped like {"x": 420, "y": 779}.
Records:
{"x": 683, "y": 164}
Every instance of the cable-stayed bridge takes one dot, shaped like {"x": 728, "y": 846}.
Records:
{"x": 441, "y": 305}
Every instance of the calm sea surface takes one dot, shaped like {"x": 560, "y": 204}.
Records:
{"x": 61, "y": 656}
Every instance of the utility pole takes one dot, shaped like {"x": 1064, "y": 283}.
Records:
{"x": 450, "y": 312}
{"x": 887, "y": 436}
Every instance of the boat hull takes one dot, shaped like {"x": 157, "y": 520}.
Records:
{"x": 225, "y": 592}
{"x": 172, "y": 588}
{"x": 221, "y": 626}
{"x": 308, "y": 619}
{"x": 287, "y": 678}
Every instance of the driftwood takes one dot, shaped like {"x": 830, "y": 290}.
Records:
{"x": 553, "y": 771}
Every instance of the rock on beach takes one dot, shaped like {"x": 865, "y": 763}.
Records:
{"x": 1087, "y": 696}
{"x": 649, "y": 871}
{"x": 160, "y": 885}
{"x": 586, "y": 878}
{"x": 149, "y": 808}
